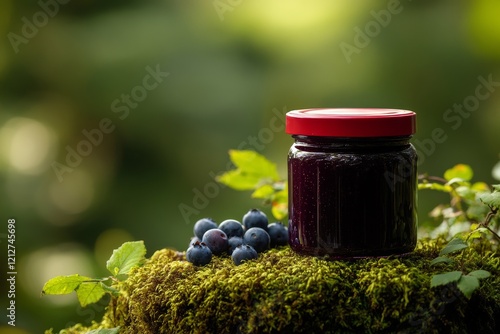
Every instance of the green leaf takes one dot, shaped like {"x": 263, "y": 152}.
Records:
{"x": 239, "y": 180}
{"x": 441, "y": 259}
{"x": 480, "y": 274}
{"x": 465, "y": 192}
{"x": 496, "y": 187}
{"x": 468, "y": 284}
{"x": 435, "y": 186}
{"x": 460, "y": 171}
{"x": 279, "y": 210}
{"x": 105, "y": 331}
{"x": 279, "y": 207}
{"x": 453, "y": 246}
{"x": 264, "y": 192}
{"x": 62, "y": 285}
{"x": 492, "y": 199}
{"x": 443, "y": 279}
{"x": 480, "y": 187}
{"x": 478, "y": 233}
{"x": 130, "y": 254}
{"x": 254, "y": 163}
{"x": 89, "y": 293}
{"x": 252, "y": 171}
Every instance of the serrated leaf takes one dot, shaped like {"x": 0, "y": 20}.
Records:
{"x": 441, "y": 259}
{"x": 443, "y": 279}
{"x": 105, "y": 331}
{"x": 461, "y": 171}
{"x": 468, "y": 284}
{"x": 127, "y": 256}
{"x": 254, "y": 163}
{"x": 264, "y": 192}
{"x": 453, "y": 246}
{"x": 239, "y": 180}
{"x": 480, "y": 274}
{"x": 435, "y": 186}
{"x": 62, "y": 285}
{"x": 89, "y": 293}
{"x": 492, "y": 199}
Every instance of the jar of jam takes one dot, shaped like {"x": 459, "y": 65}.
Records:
{"x": 352, "y": 177}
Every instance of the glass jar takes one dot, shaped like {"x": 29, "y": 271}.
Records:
{"x": 352, "y": 177}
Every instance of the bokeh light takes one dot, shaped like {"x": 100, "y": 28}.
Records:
{"x": 64, "y": 259}
{"x": 27, "y": 145}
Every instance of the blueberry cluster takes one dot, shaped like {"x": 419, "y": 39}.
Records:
{"x": 242, "y": 241}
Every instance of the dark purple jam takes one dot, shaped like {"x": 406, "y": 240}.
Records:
{"x": 350, "y": 198}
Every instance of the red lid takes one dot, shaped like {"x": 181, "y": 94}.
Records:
{"x": 351, "y": 122}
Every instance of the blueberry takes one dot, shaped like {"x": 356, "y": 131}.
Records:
{"x": 255, "y": 218}
{"x": 278, "y": 234}
{"x": 257, "y": 238}
{"x": 203, "y": 225}
{"x": 232, "y": 228}
{"x": 194, "y": 240}
{"x": 233, "y": 243}
{"x": 199, "y": 254}
{"x": 243, "y": 253}
{"x": 216, "y": 240}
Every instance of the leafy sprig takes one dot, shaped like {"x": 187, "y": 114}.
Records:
{"x": 475, "y": 206}
{"x": 91, "y": 290}
{"x": 255, "y": 172}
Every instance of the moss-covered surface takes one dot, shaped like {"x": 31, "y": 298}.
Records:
{"x": 282, "y": 292}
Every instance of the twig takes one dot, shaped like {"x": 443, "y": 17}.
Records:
{"x": 432, "y": 178}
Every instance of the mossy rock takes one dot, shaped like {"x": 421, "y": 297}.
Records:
{"x": 282, "y": 292}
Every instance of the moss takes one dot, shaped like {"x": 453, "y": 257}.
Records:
{"x": 282, "y": 292}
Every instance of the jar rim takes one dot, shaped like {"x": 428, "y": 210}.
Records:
{"x": 351, "y": 122}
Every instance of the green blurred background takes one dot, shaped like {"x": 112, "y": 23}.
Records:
{"x": 234, "y": 68}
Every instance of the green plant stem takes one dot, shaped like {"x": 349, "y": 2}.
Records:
{"x": 425, "y": 177}
{"x": 487, "y": 222}
{"x": 493, "y": 232}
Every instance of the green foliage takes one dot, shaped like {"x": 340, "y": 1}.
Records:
{"x": 91, "y": 290}
{"x": 254, "y": 172}
{"x": 453, "y": 246}
{"x": 129, "y": 255}
{"x": 443, "y": 279}
{"x": 62, "y": 285}
{"x": 461, "y": 172}
{"x": 473, "y": 204}
{"x": 492, "y": 199}
{"x": 467, "y": 284}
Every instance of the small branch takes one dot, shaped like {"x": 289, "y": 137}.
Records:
{"x": 487, "y": 221}
{"x": 493, "y": 232}
{"x": 423, "y": 177}
{"x": 490, "y": 216}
